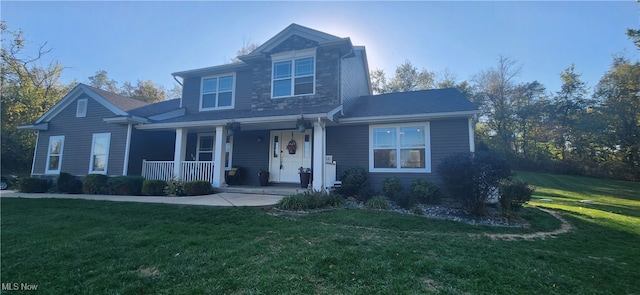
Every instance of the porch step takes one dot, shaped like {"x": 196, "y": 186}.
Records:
{"x": 262, "y": 190}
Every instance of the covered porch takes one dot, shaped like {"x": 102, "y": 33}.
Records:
{"x": 258, "y": 145}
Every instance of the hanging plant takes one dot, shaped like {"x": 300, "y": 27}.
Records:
{"x": 303, "y": 124}
{"x": 233, "y": 127}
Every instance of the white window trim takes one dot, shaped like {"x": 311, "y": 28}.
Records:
{"x": 399, "y": 169}
{"x": 51, "y": 139}
{"x": 213, "y": 142}
{"x": 293, "y": 56}
{"x": 228, "y": 167}
{"x": 233, "y": 91}
{"x": 82, "y": 112}
{"x": 106, "y": 160}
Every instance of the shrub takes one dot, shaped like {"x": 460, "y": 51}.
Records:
{"x": 94, "y": 184}
{"x": 174, "y": 188}
{"x": 125, "y": 185}
{"x": 417, "y": 211}
{"x": 470, "y": 177}
{"x": 296, "y": 202}
{"x": 425, "y": 191}
{"x": 392, "y": 186}
{"x": 355, "y": 182}
{"x": 404, "y": 200}
{"x": 377, "y": 202}
{"x": 334, "y": 200}
{"x": 514, "y": 194}
{"x": 68, "y": 183}
{"x": 152, "y": 187}
{"x": 33, "y": 185}
{"x": 197, "y": 188}
{"x": 310, "y": 200}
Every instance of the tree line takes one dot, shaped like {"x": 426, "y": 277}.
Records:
{"x": 29, "y": 87}
{"x": 566, "y": 131}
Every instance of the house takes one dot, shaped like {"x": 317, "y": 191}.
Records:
{"x": 299, "y": 76}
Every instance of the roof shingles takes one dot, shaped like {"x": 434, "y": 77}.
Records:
{"x": 448, "y": 100}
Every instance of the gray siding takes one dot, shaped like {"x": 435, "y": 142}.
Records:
{"x": 326, "y": 91}
{"x": 354, "y": 77}
{"x": 191, "y": 95}
{"x": 78, "y": 134}
{"x": 251, "y": 155}
{"x": 191, "y": 92}
{"x": 349, "y": 146}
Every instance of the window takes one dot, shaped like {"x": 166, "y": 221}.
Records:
{"x": 54, "y": 154}
{"x": 293, "y": 73}
{"x": 81, "y": 108}
{"x": 400, "y": 148}
{"x": 217, "y": 92}
{"x": 206, "y": 147}
{"x": 100, "y": 153}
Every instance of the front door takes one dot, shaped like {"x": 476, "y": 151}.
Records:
{"x": 290, "y": 150}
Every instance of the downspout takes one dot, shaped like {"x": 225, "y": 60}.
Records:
{"x": 127, "y": 149}
{"x": 35, "y": 153}
{"x": 179, "y": 83}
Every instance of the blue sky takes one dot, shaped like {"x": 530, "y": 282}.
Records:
{"x": 150, "y": 40}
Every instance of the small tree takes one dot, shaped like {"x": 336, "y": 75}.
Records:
{"x": 471, "y": 177}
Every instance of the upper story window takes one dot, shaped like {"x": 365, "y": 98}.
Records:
{"x": 217, "y": 92}
{"x": 81, "y": 108}
{"x": 294, "y": 73}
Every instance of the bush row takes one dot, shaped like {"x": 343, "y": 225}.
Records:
{"x": 117, "y": 185}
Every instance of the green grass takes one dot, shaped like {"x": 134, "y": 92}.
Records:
{"x": 611, "y": 203}
{"x": 99, "y": 247}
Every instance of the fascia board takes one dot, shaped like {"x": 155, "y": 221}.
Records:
{"x": 41, "y": 127}
{"x": 126, "y": 120}
{"x": 398, "y": 118}
{"x": 257, "y": 120}
{"x": 211, "y": 70}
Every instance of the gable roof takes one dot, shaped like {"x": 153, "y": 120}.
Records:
{"x": 448, "y": 102}
{"x": 117, "y": 104}
{"x": 294, "y": 29}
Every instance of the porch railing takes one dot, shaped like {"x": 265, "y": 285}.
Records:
{"x": 160, "y": 170}
{"x": 197, "y": 170}
{"x": 191, "y": 170}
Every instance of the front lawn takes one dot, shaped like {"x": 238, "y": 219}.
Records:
{"x": 100, "y": 247}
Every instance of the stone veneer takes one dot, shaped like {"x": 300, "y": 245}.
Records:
{"x": 327, "y": 79}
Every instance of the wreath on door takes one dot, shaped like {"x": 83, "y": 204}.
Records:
{"x": 292, "y": 146}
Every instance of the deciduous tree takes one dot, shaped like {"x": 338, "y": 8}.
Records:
{"x": 27, "y": 90}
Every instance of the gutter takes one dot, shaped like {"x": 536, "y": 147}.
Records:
{"x": 395, "y": 118}
{"x": 126, "y": 120}
{"x": 208, "y": 123}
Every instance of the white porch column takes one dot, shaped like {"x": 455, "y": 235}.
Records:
{"x": 319, "y": 151}
{"x": 179, "y": 152}
{"x": 219, "y": 153}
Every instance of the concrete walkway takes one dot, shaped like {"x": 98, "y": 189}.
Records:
{"x": 220, "y": 199}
